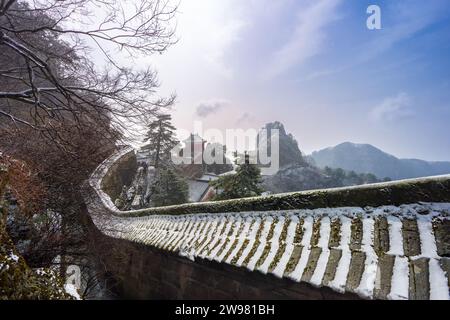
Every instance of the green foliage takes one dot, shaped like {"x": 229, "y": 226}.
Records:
{"x": 18, "y": 281}
{"x": 219, "y": 151}
{"x": 169, "y": 188}
{"x": 339, "y": 177}
{"x": 160, "y": 139}
{"x": 244, "y": 183}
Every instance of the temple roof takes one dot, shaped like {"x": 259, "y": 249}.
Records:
{"x": 198, "y": 187}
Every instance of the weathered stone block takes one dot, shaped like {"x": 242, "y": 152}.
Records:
{"x": 411, "y": 238}
{"x": 381, "y": 236}
{"x": 419, "y": 284}
{"x": 384, "y": 276}
{"x": 311, "y": 264}
{"x": 356, "y": 234}
{"x": 356, "y": 270}
{"x": 330, "y": 271}
{"x": 442, "y": 233}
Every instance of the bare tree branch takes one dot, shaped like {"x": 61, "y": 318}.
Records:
{"x": 57, "y": 78}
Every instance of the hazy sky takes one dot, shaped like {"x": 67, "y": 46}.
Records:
{"x": 314, "y": 66}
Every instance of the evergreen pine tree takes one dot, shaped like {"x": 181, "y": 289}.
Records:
{"x": 160, "y": 139}
{"x": 244, "y": 183}
{"x": 169, "y": 188}
{"x": 216, "y": 150}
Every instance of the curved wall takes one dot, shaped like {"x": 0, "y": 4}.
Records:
{"x": 382, "y": 241}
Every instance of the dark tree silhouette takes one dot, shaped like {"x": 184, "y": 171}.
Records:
{"x": 169, "y": 189}
{"x": 160, "y": 140}
{"x": 244, "y": 183}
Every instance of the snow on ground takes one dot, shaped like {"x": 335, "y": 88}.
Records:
{"x": 70, "y": 289}
{"x": 14, "y": 257}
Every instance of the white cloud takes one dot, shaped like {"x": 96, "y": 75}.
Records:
{"x": 307, "y": 38}
{"x": 392, "y": 108}
{"x": 207, "y": 29}
{"x": 221, "y": 41}
{"x": 210, "y": 107}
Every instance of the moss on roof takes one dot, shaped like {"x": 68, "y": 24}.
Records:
{"x": 433, "y": 189}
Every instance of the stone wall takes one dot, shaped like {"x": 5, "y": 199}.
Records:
{"x": 137, "y": 271}
{"x": 380, "y": 241}
{"x": 119, "y": 174}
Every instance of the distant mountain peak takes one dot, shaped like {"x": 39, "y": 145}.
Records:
{"x": 366, "y": 158}
{"x": 275, "y": 125}
{"x": 355, "y": 145}
{"x": 289, "y": 151}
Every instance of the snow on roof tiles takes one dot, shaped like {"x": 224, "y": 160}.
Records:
{"x": 371, "y": 269}
{"x": 197, "y": 189}
{"x": 383, "y": 252}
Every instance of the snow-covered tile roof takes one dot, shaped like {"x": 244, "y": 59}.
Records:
{"x": 197, "y": 189}
{"x": 382, "y": 252}
{"x": 385, "y": 252}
